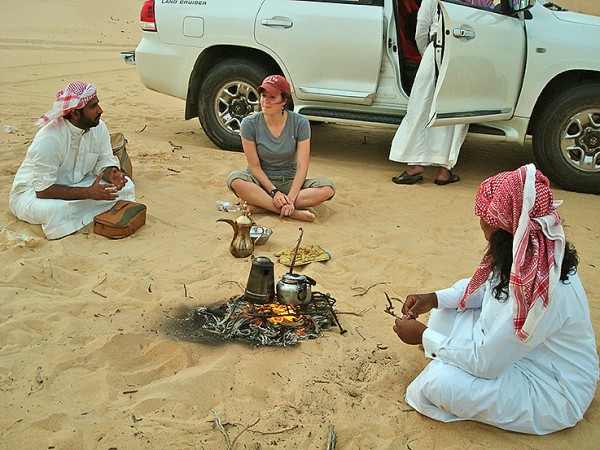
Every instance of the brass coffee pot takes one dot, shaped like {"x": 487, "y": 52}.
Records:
{"x": 242, "y": 244}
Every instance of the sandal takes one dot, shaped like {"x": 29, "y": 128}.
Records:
{"x": 405, "y": 178}
{"x": 451, "y": 179}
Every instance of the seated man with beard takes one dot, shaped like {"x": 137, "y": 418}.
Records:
{"x": 69, "y": 174}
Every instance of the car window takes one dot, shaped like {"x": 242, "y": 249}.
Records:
{"x": 357, "y": 2}
{"x": 493, "y": 5}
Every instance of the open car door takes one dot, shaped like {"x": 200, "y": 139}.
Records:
{"x": 480, "y": 56}
{"x": 332, "y": 49}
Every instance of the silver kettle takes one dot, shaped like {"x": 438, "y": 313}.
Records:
{"x": 294, "y": 289}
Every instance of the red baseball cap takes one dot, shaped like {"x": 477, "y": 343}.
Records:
{"x": 275, "y": 84}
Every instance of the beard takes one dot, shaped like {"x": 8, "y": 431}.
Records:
{"x": 87, "y": 123}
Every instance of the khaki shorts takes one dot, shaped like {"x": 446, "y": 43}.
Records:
{"x": 283, "y": 184}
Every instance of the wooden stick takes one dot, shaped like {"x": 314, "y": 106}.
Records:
{"x": 222, "y": 429}
{"x": 296, "y": 251}
{"x": 331, "y": 438}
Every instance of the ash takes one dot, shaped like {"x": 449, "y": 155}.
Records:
{"x": 259, "y": 325}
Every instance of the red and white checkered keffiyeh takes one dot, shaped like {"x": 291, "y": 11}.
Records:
{"x": 74, "y": 96}
{"x": 521, "y": 203}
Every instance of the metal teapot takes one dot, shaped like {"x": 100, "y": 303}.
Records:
{"x": 294, "y": 289}
{"x": 242, "y": 244}
{"x": 261, "y": 285}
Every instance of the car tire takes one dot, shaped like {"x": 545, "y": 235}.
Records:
{"x": 566, "y": 139}
{"x": 227, "y": 95}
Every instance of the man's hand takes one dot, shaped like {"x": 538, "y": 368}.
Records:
{"x": 410, "y": 331}
{"x": 417, "y": 304}
{"x": 99, "y": 191}
{"x": 114, "y": 176}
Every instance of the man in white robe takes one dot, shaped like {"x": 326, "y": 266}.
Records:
{"x": 513, "y": 346}
{"x": 414, "y": 143}
{"x": 69, "y": 174}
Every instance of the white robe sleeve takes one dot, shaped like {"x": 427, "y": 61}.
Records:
{"x": 450, "y": 297}
{"x": 426, "y": 24}
{"x": 45, "y": 154}
{"x": 489, "y": 352}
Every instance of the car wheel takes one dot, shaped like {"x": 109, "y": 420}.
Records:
{"x": 566, "y": 139}
{"x": 227, "y": 95}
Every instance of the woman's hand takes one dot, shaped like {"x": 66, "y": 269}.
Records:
{"x": 280, "y": 199}
{"x": 410, "y": 331}
{"x": 417, "y": 304}
{"x": 287, "y": 210}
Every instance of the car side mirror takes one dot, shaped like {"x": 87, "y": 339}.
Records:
{"x": 522, "y": 5}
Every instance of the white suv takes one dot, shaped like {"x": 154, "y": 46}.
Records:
{"x": 521, "y": 68}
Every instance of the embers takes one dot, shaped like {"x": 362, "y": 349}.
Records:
{"x": 272, "y": 324}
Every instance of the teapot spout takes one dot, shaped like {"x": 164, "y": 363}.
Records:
{"x": 229, "y": 221}
{"x": 232, "y": 223}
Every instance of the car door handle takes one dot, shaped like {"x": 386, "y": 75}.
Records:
{"x": 462, "y": 33}
{"x": 285, "y": 23}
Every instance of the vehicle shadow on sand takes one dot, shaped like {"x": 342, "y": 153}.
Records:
{"x": 482, "y": 157}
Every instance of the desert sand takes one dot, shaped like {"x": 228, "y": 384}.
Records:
{"x": 86, "y": 357}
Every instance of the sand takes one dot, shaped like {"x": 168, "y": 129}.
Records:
{"x": 86, "y": 358}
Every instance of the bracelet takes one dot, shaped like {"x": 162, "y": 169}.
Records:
{"x": 273, "y": 192}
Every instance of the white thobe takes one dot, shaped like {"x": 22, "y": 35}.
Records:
{"x": 481, "y": 371}
{"x": 66, "y": 155}
{"x": 415, "y": 143}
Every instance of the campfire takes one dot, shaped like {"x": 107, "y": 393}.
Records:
{"x": 273, "y": 324}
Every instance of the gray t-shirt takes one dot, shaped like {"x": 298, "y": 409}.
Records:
{"x": 277, "y": 155}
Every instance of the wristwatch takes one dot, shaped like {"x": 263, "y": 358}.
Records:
{"x": 273, "y": 192}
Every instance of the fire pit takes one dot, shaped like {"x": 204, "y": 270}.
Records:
{"x": 272, "y": 324}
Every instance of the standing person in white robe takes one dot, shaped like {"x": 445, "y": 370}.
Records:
{"x": 69, "y": 174}
{"x": 414, "y": 143}
{"x": 513, "y": 346}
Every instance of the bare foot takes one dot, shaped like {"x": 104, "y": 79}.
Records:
{"x": 304, "y": 215}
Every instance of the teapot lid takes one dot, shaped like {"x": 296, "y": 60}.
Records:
{"x": 244, "y": 219}
{"x": 262, "y": 261}
{"x": 293, "y": 277}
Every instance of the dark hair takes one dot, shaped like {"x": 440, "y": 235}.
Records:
{"x": 287, "y": 98}
{"x": 500, "y": 253}
{"x": 69, "y": 115}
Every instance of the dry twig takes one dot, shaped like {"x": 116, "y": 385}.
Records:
{"x": 353, "y": 313}
{"x": 283, "y": 430}
{"x": 389, "y": 309}
{"x": 228, "y": 442}
{"x": 175, "y": 146}
{"x": 234, "y": 282}
{"x": 331, "y": 438}
{"x": 240, "y": 433}
{"x": 98, "y": 285}
{"x": 222, "y": 429}
{"x": 365, "y": 290}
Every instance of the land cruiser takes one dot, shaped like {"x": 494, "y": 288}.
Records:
{"x": 520, "y": 68}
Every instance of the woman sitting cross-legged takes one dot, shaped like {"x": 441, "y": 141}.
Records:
{"x": 276, "y": 143}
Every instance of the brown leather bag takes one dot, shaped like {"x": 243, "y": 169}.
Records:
{"x": 121, "y": 220}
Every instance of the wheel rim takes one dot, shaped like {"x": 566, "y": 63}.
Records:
{"x": 580, "y": 143}
{"x": 234, "y": 101}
